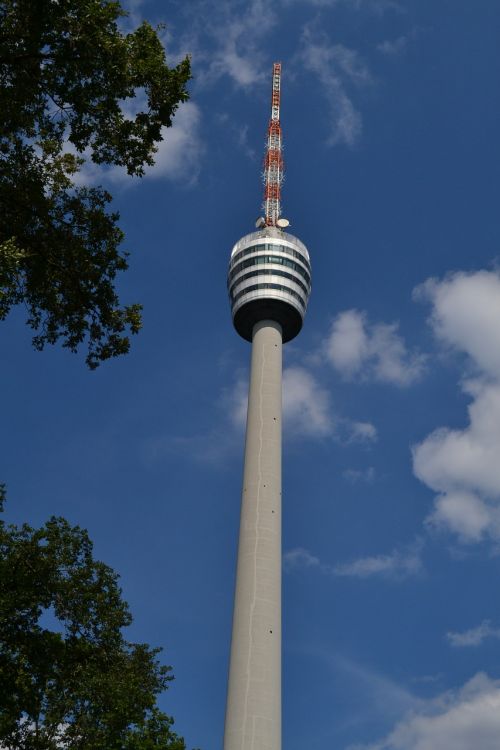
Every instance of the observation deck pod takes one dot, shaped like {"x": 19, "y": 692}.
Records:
{"x": 269, "y": 278}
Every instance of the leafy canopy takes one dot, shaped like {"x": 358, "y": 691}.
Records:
{"x": 68, "y": 678}
{"x": 68, "y": 79}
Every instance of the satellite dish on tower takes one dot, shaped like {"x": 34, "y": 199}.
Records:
{"x": 282, "y": 223}
{"x": 260, "y": 223}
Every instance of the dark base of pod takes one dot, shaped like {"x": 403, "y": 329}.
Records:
{"x": 253, "y": 312}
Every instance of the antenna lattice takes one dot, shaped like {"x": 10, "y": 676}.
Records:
{"x": 273, "y": 160}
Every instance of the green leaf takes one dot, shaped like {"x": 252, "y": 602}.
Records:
{"x": 67, "y": 74}
{"x": 69, "y": 678}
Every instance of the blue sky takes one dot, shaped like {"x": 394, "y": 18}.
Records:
{"x": 391, "y": 116}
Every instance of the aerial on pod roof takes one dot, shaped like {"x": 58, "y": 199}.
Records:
{"x": 273, "y": 162}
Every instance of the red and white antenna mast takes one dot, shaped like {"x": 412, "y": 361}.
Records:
{"x": 273, "y": 160}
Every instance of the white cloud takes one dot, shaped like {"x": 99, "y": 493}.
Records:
{"x": 300, "y": 558}
{"x": 229, "y": 42}
{"x": 474, "y": 636}
{"x": 368, "y": 695}
{"x": 239, "y": 134}
{"x": 462, "y": 513}
{"x": 211, "y": 445}
{"x": 458, "y": 460}
{"x": 243, "y": 142}
{"x": 465, "y": 315}
{"x": 399, "y": 564}
{"x": 236, "y": 401}
{"x": 462, "y": 465}
{"x": 382, "y": 698}
{"x": 393, "y": 46}
{"x": 347, "y": 347}
{"x": 306, "y": 405}
{"x": 359, "y": 432}
{"x": 224, "y": 39}
{"x": 357, "y": 475}
{"x": 457, "y": 720}
{"x": 307, "y": 413}
{"x": 376, "y": 6}
{"x": 335, "y": 65}
{"x": 307, "y": 410}
{"x": 358, "y": 349}
{"x": 178, "y": 157}
{"x": 229, "y": 39}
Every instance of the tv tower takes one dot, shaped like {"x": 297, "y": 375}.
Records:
{"x": 269, "y": 283}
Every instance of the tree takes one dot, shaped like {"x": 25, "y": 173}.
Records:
{"x": 78, "y": 685}
{"x": 68, "y": 76}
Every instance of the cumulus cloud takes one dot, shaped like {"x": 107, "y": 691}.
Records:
{"x": 347, "y": 346}
{"x": 178, "y": 155}
{"x": 457, "y": 720}
{"x": 236, "y": 401}
{"x": 358, "y": 349}
{"x": 306, "y": 404}
{"x": 398, "y": 565}
{"x": 462, "y": 513}
{"x": 307, "y": 410}
{"x": 465, "y": 315}
{"x": 474, "y": 636}
{"x": 462, "y": 465}
{"x": 336, "y": 66}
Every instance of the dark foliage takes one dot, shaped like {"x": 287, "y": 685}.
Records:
{"x": 68, "y": 678}
{"x": 66, "y": 71}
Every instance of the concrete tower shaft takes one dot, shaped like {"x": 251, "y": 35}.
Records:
{"x": 253, "y": 713}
